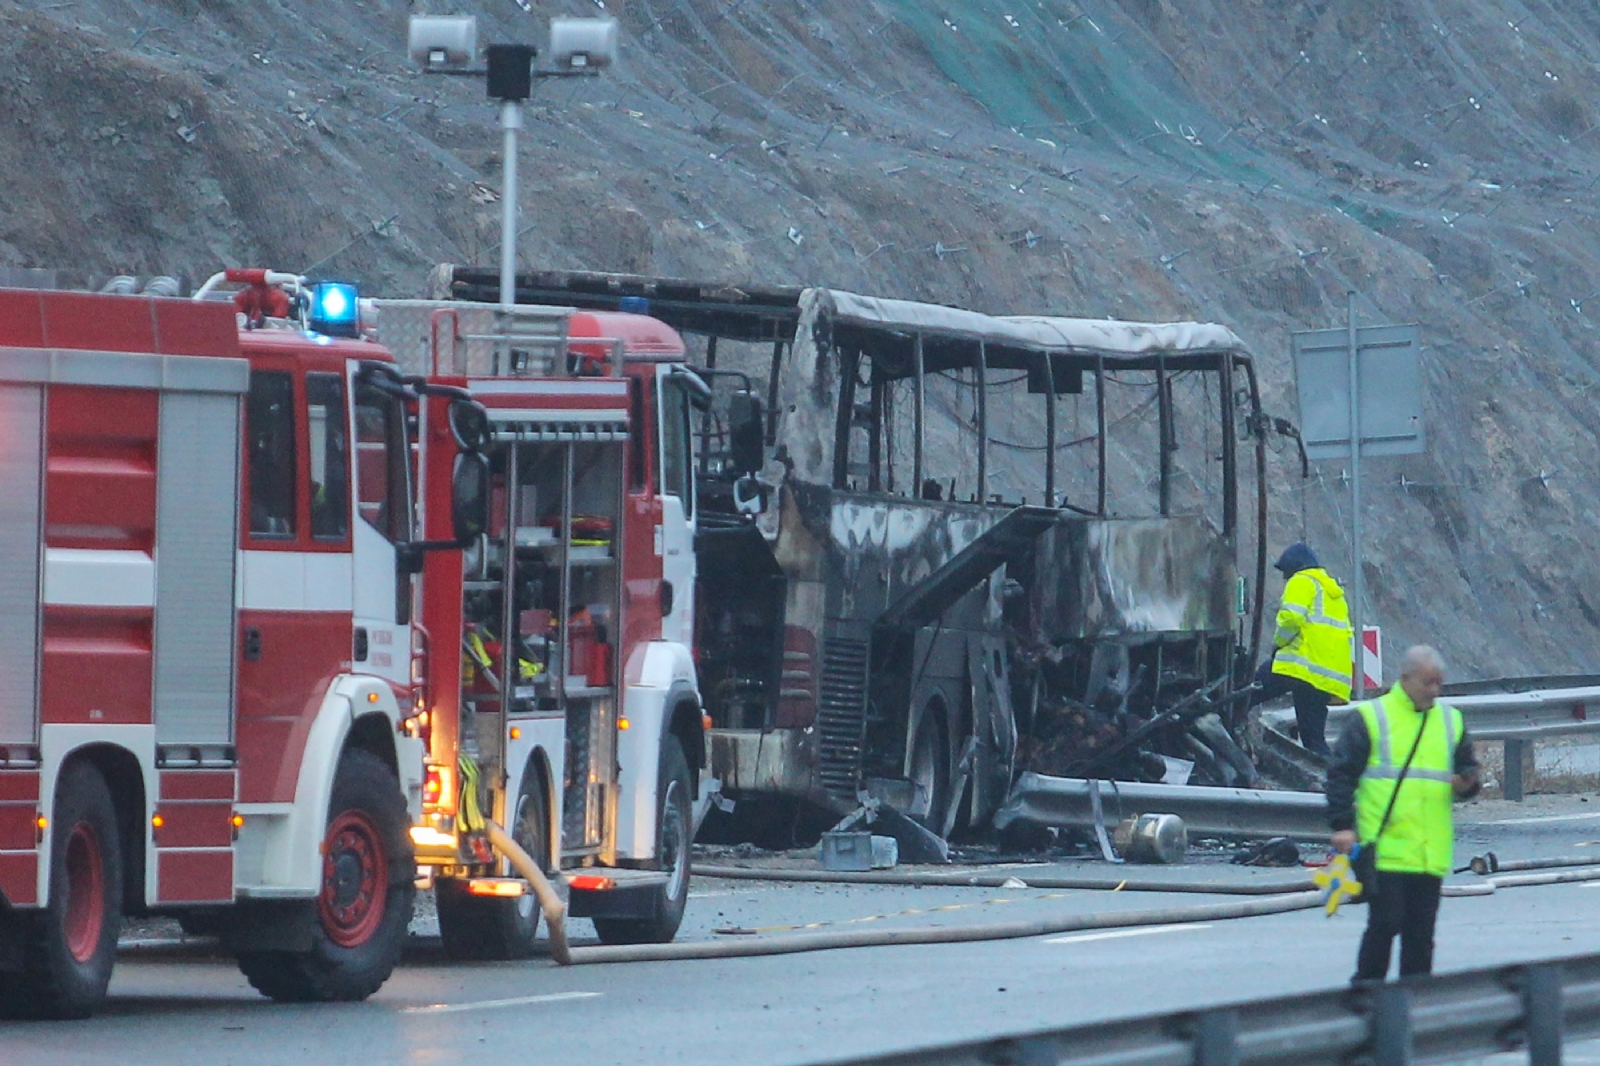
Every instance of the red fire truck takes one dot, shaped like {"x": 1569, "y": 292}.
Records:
{"x": 207, "y": 642}
{"x": 222, "y": 554}
{"x": 571, "y": 713}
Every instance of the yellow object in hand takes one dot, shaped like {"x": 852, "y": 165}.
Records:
{"x": 1339, "y": 883}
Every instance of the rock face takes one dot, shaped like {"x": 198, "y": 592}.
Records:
{"x": 1242, "y": 161}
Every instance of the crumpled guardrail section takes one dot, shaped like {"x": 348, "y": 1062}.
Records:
{"x": 1205, "y": 810}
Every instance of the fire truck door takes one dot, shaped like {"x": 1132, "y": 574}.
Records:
{"x": 382, "y": 595}
{"x": 675, "y": 536}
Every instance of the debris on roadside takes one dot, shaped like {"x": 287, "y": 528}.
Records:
{"x": 858, "y": 851}
{"x": 1278, "y": 851}
{"x": 915, "y": 843}
{"x": 1158, "y": 839}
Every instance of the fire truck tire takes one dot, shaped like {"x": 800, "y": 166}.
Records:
{"x": 69, "y": 945}
{"x": 480, "y": 928}
{"x": 368, "y": 889}
{"x": 674, "y": 832}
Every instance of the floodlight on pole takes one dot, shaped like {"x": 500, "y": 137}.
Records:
{"x": 443, "y": 42}
{"x": 578, "y": 47}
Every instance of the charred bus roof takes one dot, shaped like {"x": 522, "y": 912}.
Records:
{"x": 886, "y": 328}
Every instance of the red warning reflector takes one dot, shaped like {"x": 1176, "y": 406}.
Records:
{"x": 591, "y": 883}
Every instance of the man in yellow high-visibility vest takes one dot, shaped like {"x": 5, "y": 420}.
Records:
{"x": 1312, "y": 660}
{"x": 1397, "y": 766}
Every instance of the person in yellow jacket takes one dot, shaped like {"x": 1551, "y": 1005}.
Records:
{"x": 1312, "y": 660}
{"x": 1397, "y": 766}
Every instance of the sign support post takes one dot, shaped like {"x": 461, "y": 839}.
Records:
{"x": 1357, "y": 645}
{"x": 1360, "y": 396}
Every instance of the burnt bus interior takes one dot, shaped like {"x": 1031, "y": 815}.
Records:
{"x": 1030, "y": 553}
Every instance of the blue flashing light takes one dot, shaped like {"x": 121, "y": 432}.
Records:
{"x": 634, "y": 305}
{"x": 335, "y": 310}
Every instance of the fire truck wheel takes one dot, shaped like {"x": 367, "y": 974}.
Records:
{"x": 674, "y": 834}
{"x": 68, "y": 946}
{"x": 368, "y": 886}
{"x": 478, "y": 927}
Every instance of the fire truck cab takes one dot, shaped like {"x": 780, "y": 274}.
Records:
{"x": 571, "y": 713}
{"x": 208, "y": 641}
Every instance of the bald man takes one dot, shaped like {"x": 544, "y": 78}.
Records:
{"x": 1397, "y": 767}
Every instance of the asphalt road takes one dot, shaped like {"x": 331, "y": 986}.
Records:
{"x": 186, "y": 1008}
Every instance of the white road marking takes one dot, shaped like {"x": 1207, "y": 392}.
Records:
{"x": 491, "y": 1004}
{"x": 1543, "y": 819}
{"x": 1118, "y": 934}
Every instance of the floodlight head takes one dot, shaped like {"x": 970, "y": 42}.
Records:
{"x": 443, "y": 42}
{"x": 582, "y": 43}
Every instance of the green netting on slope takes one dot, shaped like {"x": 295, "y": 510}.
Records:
{"x": 1055, "y": 70}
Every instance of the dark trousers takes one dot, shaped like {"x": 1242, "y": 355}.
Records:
{"x": 1406, "y": 905}
{"x": 1311, "y": 715}
{"x": 1310, "y": 706}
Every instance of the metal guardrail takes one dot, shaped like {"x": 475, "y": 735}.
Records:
{"x": 1518, "y": 719}
{"x": 1529, "y": 715}
{"x": 1533, "y": 1006}
{"x": 1513, "y": 718}
{"x": 1498, "y": 685}
{"x": 1524, "y": 715}
{"x": 1205, "y": 810}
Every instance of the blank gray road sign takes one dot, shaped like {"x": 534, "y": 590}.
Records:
{"x": 1391, "y": 391}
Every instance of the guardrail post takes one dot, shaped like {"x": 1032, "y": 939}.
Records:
{"x": 1542, "y": 1013}
{"x": 1511, "y": 780}
{"x": 1389, "y": 1028}
{"x": 1216, "y": 1038}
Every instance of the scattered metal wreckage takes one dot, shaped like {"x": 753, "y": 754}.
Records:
{"x": 980, "y": 549}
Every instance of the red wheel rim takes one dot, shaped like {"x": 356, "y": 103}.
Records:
{"x": 355, "y": 880}
{"x": 86, "y": 892}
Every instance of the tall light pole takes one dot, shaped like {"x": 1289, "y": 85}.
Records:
{"x": 511, "y": 82}
{"x": 578, "y": 47}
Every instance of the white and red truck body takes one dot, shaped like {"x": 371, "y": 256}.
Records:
{"x": 588, "y": 744}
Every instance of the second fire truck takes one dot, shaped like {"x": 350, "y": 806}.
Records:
{"x": 562, "y": 700}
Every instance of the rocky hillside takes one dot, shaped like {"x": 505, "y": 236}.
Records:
{"x": 1244, "y": 161}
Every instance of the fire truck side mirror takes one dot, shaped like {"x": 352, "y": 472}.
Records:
{"x": 469, "y": 425}
{"x": 469, "y": 498}
{"x": 746, "y": 432}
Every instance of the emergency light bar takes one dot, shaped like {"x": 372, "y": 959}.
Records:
{"x": 335, "y": 309}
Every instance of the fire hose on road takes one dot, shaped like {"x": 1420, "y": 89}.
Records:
{"x": 1279, "y": 898}
{"x": 956, "y": 934}
{"x": 1289, "y": 896}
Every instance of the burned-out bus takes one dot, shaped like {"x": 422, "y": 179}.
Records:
{"x": 938, "y": 548}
